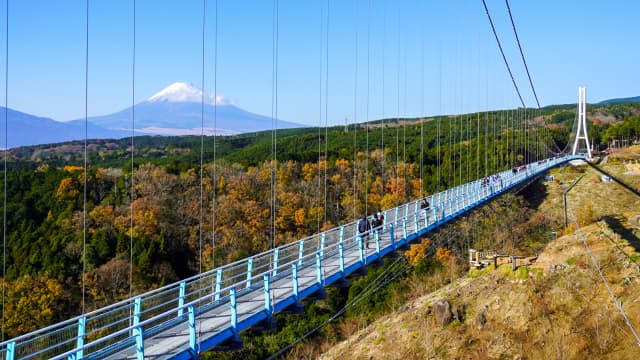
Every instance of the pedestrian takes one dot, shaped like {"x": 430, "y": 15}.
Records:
{"x": 363, "y": 228}
{"x": 425, "y": 204}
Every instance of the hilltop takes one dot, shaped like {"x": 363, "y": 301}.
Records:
{"x": 556, "y": 308}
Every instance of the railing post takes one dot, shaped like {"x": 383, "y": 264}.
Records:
{"x": 267, "y": 295}
{"x": 361, "y": 249}
{"x": 425, "y": 213}
{"x": 11, "y": 350}
{"x": 218, "y": 284}
{"x": 294, "y": 277}
{"x": 249, "y": 270}
{"x": 234, "y": 311}
{"x": 341, "y": 233}
{"x": 341, "y": 253}
{"x": 392, "y": 236}
{"x": 193, "y": 341}
{"x": 404, "y": 228}
{"x": 276, "y": 253}
{"x": 384, "y": 220}
{"x": 377, "y": 238}
{"x": 319, "y": 270}
{"x": 395, "y": 219}
{"x": 435, "y": 214}
{"x": 82, "y": 322}
{"x": 300, "y": 252}
{"x": 183, "y": 290}
{"x": 415, "y": 221}
{"x": 137, "y": 330}
{"x": 323, "y": 239}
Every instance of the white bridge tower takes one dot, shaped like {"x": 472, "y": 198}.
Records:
{"x": 582, "y": 122}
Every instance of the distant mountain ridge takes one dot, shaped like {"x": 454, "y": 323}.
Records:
{"x": 25, "y": 129}
{"x": 620, "y": 100}
{"x": 176, "y": 110}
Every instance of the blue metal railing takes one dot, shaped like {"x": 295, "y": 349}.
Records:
{"x": 125, "y": 325}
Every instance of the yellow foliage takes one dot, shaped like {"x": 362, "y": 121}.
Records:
{"x": 67, "y": 189}
{"x": 300, "y": 216}
{"x": 343, "y": 165}
{"x": 388, "y": 201}
{"x": 417, "y": 252}
{"x": 443, "y": 254}
{"x": 72, "y": 168}
{"x": 32, "y": 303}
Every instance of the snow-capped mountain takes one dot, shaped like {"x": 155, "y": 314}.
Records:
{"x": 177, "y": 110}
{"x": 182, "y": 92}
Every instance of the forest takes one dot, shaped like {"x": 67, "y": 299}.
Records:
{"x": 171, "y": 211}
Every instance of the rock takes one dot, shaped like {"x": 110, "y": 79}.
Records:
{"x": 442, "y": 311}
{"x": 481, "y": 320}
{"x": 402, "y": 309}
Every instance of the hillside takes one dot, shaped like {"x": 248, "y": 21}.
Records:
{"x": 557, "y": 308}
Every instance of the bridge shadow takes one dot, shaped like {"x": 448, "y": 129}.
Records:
{"x": 535, "y": 193}
{"x": 617, "y": 226}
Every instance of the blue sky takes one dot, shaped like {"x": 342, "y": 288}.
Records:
{"x": 413, "y": 57}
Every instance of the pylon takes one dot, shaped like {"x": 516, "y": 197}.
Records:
{"x": 582, "y": 121}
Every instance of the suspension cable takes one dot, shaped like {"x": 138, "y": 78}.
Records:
{"x": 84, "y": 190}
{"x": 133, "y": 128}
{"x": 215, "y": 135}
{"x": 6, "y": 154}
{"x": 422, "y": 114}
{"x": 201, "y": 214}
{"x": 366, "y": 178}
{"x": 274, "y": 123}
{"x": 201, "y": 209}
{"x": 355, "y": 115}
{"x": 326, "y": 114}
{"x": 397, "y": 187}
{"x": 318, "y": 199}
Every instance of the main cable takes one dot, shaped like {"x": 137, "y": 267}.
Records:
{"x": 513, "y": 25}
{"x": 495, "y": 34}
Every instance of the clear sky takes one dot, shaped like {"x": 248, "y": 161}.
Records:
{"x": 413, "y": 57}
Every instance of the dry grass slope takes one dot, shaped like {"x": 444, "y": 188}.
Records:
{"x": 557, "y": 309}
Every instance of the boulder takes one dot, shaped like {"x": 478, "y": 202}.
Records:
{"x": 442, "y": 310}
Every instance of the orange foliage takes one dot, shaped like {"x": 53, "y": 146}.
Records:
{"x": 417, "y": 252}
{"x": 443, "y": 254}
{"x": 300, "y": 216}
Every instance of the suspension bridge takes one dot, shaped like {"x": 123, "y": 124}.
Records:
{"x": 212, "y": 309}
{"x": 197, "y": 314}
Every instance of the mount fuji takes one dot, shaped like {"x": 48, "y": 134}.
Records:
{"x": 177, "y": 110}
